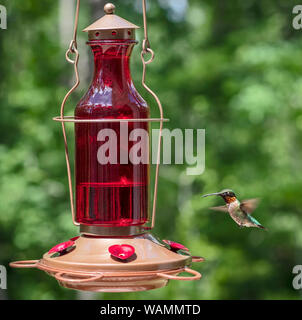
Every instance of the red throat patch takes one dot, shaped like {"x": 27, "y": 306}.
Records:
{"x": 230, "y": 199}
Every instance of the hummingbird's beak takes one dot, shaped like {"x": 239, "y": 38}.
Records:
{"x": 211, "y": 194}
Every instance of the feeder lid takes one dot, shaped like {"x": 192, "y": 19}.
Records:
{"x": 110, "y": 21}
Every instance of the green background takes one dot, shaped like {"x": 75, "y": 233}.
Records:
{"x": 231, "y": 67}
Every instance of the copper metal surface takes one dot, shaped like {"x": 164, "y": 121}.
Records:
{"x": 109, "y": 8}
{"x": 91, "y": 255}
{"x": 112, "y": 34}
{"x": 198, "y": 259}
{"x": 110, "y": 22}
{"x": 111, "y": 282}
{"x": 89, "y": 266}
{"x": 111, "y": 26}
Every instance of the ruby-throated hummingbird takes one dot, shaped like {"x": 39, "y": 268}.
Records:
{"x": 240, "y": 212}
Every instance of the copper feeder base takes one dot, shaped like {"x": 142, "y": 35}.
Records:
{"x": 90, "y": 267}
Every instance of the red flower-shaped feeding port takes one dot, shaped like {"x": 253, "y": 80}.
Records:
{"x": 123, "y": 251}
{"x": 62, "y": 247}
{"x": 174, "y": 246}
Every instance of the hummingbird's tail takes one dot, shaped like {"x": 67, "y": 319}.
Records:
{"x": 256, "y": 223}
{"x": 261, "y": 227}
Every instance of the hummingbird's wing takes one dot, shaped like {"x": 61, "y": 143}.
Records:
{"x": 249, "y": 205}
{"x": 220, "y": 208}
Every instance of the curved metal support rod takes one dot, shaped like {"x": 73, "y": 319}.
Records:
{"x": 24, "y": 264}
{"x": 146, "y": 49}
{"x": 198, "y": 259}
{"x": 73, "y": 119}
{"x": 89, "y": 278}
{"x": 195, "y": 275}
{"x": 71, "y": 50}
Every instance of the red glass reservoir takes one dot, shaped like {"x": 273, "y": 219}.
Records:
{"x": 111, "y": 194}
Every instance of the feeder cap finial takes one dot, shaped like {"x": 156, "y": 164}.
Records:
{"x": 111, "y": 26}
{"x": 109, "y": 8}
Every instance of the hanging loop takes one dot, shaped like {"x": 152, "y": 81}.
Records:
{"x": 72, "y": 49}
{"x": 148, "y": 50}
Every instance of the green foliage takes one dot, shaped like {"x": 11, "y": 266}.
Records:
{"x": 231, "y": 67}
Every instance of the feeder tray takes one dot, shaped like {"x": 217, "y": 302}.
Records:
{"x": 90, "y": 267}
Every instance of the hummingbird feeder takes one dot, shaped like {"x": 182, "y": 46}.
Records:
{"x": 115, "y": 251}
